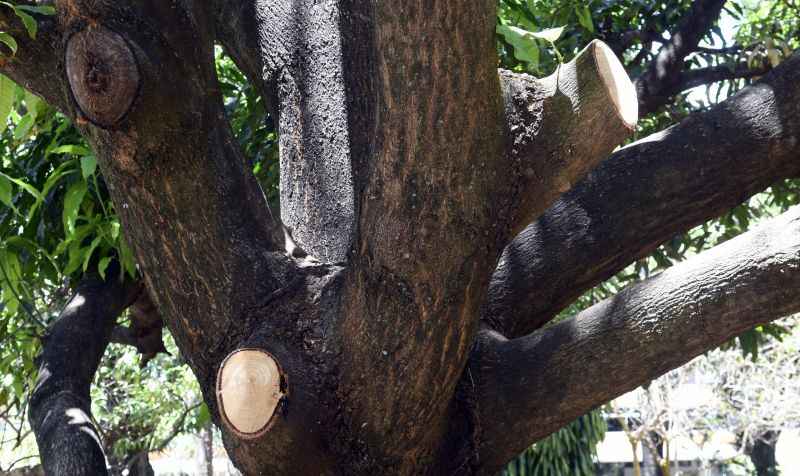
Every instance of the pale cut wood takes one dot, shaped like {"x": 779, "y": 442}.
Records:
{"x": 562, "y": 126}
{"x": 249, "y": 391}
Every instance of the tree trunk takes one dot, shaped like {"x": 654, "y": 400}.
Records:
{"x": 408, "y": 163}
{"x": 762, "y": 454}
{"x": 207, "y": 443}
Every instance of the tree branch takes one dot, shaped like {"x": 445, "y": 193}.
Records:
{"x": 659, "y": 82}
{"x": 558, "y": 373}
{"x": 698, "y": 77}
{"x": 643, "y": 195}
{"x": 60, "y": 404}
{"x": 553, "y": 135}
{"x": 37, "y": 65}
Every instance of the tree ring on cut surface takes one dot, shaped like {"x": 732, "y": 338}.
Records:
{"x": 103, "y": 75}
{"x": 250, "y": 386}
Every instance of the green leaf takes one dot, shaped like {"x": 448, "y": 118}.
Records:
{"x": 40, "y": 9}
{"x": 584, "y": 17}
{"x": 71, "y": 149}
{"x": 72, "y": 204}
{"x": 550, "y": 34}
{"x": 25, "y": 186}
{"x": 6, "y": 191}
{"x": 92, "y": 247}
{"x": 88, "y": 166}
{"x": 9, "y": 41}
{"x": 525, "y": 47}
{"x": 24, "y": 126}
{"x": 102, "y": 266}
{"x": 126, "y": 257}
{"x": 7, "y": 90}
{"x": 28, "y": 21}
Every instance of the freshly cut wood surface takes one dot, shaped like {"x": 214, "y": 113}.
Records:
{"x": 248, "y": 391}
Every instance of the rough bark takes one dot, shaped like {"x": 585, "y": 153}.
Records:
{"x": 643, "y": 195}
{"x": 60, "y": 403}
{"x": 553, "y": 138}
{"x": 396, "y": 156}
{"x": 534, "y": 385}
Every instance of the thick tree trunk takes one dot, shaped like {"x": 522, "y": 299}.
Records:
{"x": 407, "y": 164}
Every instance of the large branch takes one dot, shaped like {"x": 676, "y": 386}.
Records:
{"x": 60, "y": 403}
{"x": 531, "y": 386}
{"x": 643, "y": 195}
{"x": 662, "y": 77}
{"x": 554, "y": 134}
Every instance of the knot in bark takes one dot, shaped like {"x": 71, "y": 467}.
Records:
{"x": 103, "y": 75}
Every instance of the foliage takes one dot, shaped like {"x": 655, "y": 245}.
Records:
{"x": 570, "y": 450}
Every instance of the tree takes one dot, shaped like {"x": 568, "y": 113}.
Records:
{"x": 722, "y": 391}
{"x": 383, "y": 333}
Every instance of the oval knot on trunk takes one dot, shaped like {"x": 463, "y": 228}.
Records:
{"x": 103, "y": 75}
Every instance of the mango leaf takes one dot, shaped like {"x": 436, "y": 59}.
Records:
{"x": 24, "y": 126}
{"x": 88, "y": 166}
{"x": 40, "y": 9}
{"x": 25, "y": 186}
{"x": 28, "y": 21}
{"x": 9, "y": 41}
{"x": 550, "y": 34}
{"x": 7, "y": 90}
{"x": 525, "y": 47}
{"x": 72, "y": 204}
{"x": 102, "y": 266}
{"x": 90, "y": 251}
{"x": 584, "y": 17}
{"x": 6, "y": 191}
{"x": 71, "y": 149}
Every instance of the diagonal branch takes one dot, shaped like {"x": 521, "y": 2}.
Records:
{"x": 553, "y": 135}
{"x": 60, "y": 404}
{"x": 712, "y": 74}
{"x": 662, "y": 76}
{"x": 558, "y": 373}
{"x": 643, "y": 195}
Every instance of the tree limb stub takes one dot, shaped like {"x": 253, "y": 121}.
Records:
{"x": 534, "y": 385}
{"x": 250, "y": 386}
{"x": 103, "y": 74}
{"x": 643, "y": 195}
{"x": 562, "y": 126}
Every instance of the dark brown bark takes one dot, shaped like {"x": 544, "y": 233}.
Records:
{"x": 398, "y": 148}
{"x": 536, "y": 384}
{"x": 645, "y": 194}
{"x": 60, "y": 403}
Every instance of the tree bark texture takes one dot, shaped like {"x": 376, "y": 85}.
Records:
{"x": 60, "y": 403}
{"x": 408, "y": 164}
{"x": 645, "y": 194}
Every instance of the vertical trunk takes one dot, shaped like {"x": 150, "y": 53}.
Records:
{"x": 139, "y": 465}
{"x": 762, "y": 454}
{"x": 207, "y": 442}
{"x": 637, "y": 466}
